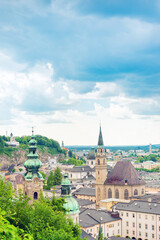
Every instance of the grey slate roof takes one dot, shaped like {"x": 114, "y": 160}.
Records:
{"x": 86, "y": 235}
{"x": 124, "y": 171}
{"x": 84, "y": 202}
{"x": 89, "y": 177}
{"x": 85, "y": 191}
{"x": 81, "y": 169}
{"x": 139, "y": 206}
{"x": 92, "y": 217}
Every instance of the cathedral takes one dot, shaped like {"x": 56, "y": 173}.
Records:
{"x": 122, "y": 182}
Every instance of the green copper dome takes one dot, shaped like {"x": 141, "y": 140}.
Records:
{"x": 71, "y": 205}
{"x": 32, "y": 164}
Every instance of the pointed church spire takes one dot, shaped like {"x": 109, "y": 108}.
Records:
{"x": 100, "y": 139}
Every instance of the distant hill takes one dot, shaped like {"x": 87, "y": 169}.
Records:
{"x": 45, "y": 147}
{"x": 115, "y": 148}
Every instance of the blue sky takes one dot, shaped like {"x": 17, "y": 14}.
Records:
{"x": 66, "y": 65}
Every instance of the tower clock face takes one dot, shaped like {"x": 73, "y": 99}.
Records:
{"x": 35, "y": 181}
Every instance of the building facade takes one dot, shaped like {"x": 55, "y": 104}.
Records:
{"x": 140, "y": 220}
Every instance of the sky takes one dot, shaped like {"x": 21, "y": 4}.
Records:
{"x": 68, "y": 65}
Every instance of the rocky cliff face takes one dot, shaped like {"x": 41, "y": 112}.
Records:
{"x": 18, "y": 157}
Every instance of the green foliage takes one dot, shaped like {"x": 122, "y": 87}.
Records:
{"x": 73, "y": 161}
{"x": 151, "y": 157}
{"x": 44, "y": 220}
{"x": 148, "y": 170}
{"x": 54, "y": 179}
{"x": 57, "y": 177}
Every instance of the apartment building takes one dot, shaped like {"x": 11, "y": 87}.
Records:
{"x": 92, "y": 221}
{"x": 140, "y": 220}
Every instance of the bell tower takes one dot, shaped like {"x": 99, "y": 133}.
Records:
{"x": 33, "y": 180}
{"x": 100, "y": 168}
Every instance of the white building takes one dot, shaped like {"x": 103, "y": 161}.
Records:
{"x": 140, "y": 220}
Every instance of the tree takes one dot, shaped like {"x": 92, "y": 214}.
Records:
{"x": 57, "y": 177}
{"x": 50, "y": 180}
{"x": 70, "y": 153}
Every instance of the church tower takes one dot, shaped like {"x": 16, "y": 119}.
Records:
{"x": 71, "y": 204}
{"x": 33, "y": 180}
{"x": 100, "y": 168}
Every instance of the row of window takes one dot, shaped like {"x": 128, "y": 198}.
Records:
{"x": 140, "y": 225}
{"x": 140, "y": 234}
{"x": 126, "y": 193}
{"x": 139, "y": 215}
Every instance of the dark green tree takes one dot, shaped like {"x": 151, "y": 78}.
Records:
{"x": 57, "y": 177}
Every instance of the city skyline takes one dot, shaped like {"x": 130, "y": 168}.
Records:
{"x": 66, "y": 66}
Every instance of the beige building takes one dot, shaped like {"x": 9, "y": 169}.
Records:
{"x": 122, "y": 182}
{"x": 140, "y": 220}
{"x": 94, "y": 221}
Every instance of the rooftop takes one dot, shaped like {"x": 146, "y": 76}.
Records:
{"x": 92, "y": 217}
{"x": 124, "y": 172}
{"x": 85, "y": 191}
{"x": 139, "y": 206}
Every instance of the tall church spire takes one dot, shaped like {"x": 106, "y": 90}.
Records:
{"x": 100, "y": 139}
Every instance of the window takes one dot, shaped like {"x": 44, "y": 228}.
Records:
{"x": 152, "y": 227}
{"x": 146, "y": 226}
{"x": 121, "y": 214}
{"x": 139, "y": 225}
{"x": 133, "y": 215}
{"x": 118, "y": 224}
{"x": 139, "y": 216}
{"x": 139, "y": 233}
{"x": 98, "y": 162}
{"x": 146, "y": 217}
{"x": 127, "y": 214}
{"x": 104, "y": 162}
{"x": 88, "y": 230}
{"x": 126, "y": 194}
{"x": 159, "y": 237}
{"x": 133, "y": 224}
{"x": 91, "y": 162}
{"x": 118, "y": 231}
{"x": 159, "y": 218}
{"x": 71, "y": 175}
{"x": 133, "y": 232}
{"x": 152, "y": 235}
{"x": 127, "y": 224}
{"x": 135, "y": 192}
{"x": 159, "y": 228}
{"x": 109, "y": 193}
{"x": 91, "y": 230}
{"x": 152, "y": 218}
{"x": 117, "y": 193}
{"x": 127, "y": 232}
{"x": 142, "y": 190}
{"x": 146, "y": 234}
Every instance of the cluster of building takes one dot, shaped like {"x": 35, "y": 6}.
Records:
{"x": 102, "y": 199}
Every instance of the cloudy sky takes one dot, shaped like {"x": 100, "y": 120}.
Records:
{"x": 67, "y": 65}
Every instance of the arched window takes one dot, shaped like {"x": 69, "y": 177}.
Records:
{"x": 109, "y": 193}
{"x": 126, "y": 194}
{"x": 91, "y": 162}
{"x": 98, "y": 162}
{"x": 98, "y": 172}
{"x": 142, "y": 190}
{"x": 99, "y": 194}
{"x": 104, "y": 161}
{"x": 117, "y": 193}
{"x": 135, "y": 192}
{"x": 35, "y": 195}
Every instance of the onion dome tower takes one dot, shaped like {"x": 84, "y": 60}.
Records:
{"x": 71, "y": 205}
{"x": 33, "y": 178}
